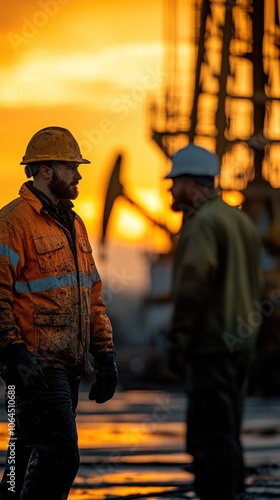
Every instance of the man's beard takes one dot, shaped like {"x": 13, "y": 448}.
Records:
{"x": 61, "y": 190}
{"x": 178, "y": 205}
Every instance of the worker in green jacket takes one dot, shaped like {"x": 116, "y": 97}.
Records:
{"x": 216, "y": 294}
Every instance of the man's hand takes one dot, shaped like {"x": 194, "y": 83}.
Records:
{"x": 21, "y": 369}
{"x": 106, "y": 378}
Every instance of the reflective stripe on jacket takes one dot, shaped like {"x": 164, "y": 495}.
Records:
{"x": 48, "y": 299}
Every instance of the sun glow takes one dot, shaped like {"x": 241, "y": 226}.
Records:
{"x": 87, "y": 210}
{"x": 45, "y": 78}
{"x": 126, "y": 223}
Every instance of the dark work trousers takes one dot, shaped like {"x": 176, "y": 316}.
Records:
{"x": 46, "y": 449}
{"x": 216, "y": 387}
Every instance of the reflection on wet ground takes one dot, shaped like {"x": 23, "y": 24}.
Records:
{"x": 133, "y": 447}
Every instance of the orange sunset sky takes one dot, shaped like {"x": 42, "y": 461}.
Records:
{"x": 90, "y": 66}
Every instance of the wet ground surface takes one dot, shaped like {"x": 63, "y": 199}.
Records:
{"x": 133, "y": 447}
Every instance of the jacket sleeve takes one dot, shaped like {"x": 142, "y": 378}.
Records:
{"x": 101, "y": 329}
{"x": 11, "y": 260}
{"x": 197, "y": 268}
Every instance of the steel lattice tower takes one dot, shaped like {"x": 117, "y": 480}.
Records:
{"x": 222, "y": 86}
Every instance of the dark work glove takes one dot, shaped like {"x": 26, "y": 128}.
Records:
{"x": 106, "y": 378}
{"x": 20, "y": 368}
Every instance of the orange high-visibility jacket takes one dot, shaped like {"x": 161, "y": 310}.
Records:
{"x": 48, "y": 299}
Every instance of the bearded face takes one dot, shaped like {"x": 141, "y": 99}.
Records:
{"x": 64, "y": 182}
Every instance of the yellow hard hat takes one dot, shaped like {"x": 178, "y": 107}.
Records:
{"x": 53, "y": 144}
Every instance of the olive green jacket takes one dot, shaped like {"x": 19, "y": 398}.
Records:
{"x": 217, "y": 281}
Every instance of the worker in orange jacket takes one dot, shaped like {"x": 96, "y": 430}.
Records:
{"x": 52, "y": 315}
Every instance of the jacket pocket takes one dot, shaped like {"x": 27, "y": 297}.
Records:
{"x": 53, "y": 320}
{"x": 51, "y": 254}
{"x": 55, "y": 338}
{"x": 84, "y": 245}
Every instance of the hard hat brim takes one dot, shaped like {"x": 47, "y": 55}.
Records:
{"x": 194, "y": 160}
{"x": 53, "y": 144}
{"x": 48, "y": 158}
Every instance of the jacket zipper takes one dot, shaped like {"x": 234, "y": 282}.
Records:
{"x": 72, "y": 244}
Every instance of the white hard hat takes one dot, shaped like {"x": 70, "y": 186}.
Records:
{"x": 194, "y": 160}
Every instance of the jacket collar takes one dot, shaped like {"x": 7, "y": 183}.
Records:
{"x": 30, "y": 197}
{"x": 39, "y": 201}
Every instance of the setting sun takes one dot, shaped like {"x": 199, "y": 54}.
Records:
{"x": 127, "y": 223}
{"x": 91, "y": 70}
